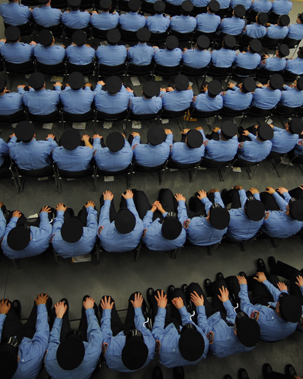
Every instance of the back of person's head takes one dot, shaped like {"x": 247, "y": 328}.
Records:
{"x": 113, "y": 36}
{"x": 239, "y": 11}
{"x": 105, "y": 5}
{"x": 290, "y": 308}
{"x": 214, "y": 88}
{"x": 284, "y": 20}
{"x": 191, "y": 343}
{"x": 71, "y": 351}
{"x": 159, "y": 7}
{"x": 186, "y": 7}
{"x": 74, "y": 4}
{"x": 229, "y": 42}
{"x": 262, "y": 18}
{"x": 248, "y": 330}
{"x": 135, "y": 352}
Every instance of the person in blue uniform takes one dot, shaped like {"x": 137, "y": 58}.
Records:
{"x": 28, "y": 153}
{"x": 132, "y": 21}
{"x": 225, "y": 56}
{"x": 156, "y": 151}
{"x": 75, "y": 98}
{"x": 191, "y": 148}
{"x": 105, "y": 20}
{"x": 141, "y": 54}
{"x": 245, "y": 3}
{"x": 295, "y": 66}
{"x": 281, "y": 7}
{"x": 158, "y": 23}
{"x": 72, "y": 155}
{"x": 130, "y": 346}
{"x": 116, "y": 155}
{"x": 79, "y": 53}
{"x": 119, "y": 231}
{"x": 255, "y": 144}
{"x": 280, "y": 30}
{"x": 267, "y": 96}
{"x": 284, "y": 214}
{"x": 22, "y": 240}
{"x": 170, "y": 56}
{"x": 238, "y": 98}
{"x": 210, "y": 98}
{"x": 114, "y": 98}
{"x": 208, "y": 22}
{"x": 150, "y": 102}
{"x": 257, "y": 30}
{"x": 10, "y": 102}
{"x": 234, "y": 26}
{"x": 75, "y": 19}
{"x": 75, "y": 235}
{"x": 246, "y": 212}
{"x": 23, "y": 345}
{"x": 45, "y": 15}
{"x": 292, "y": 96}
{"x": 206, "y": 221}
{"x": 178, "y": 97}
{"x": 112, "y": 54}
{"x": 285, "y": 139}
{"x": 15, "y": 14}
{"x": 46, "y": 52}
{"x": 261, "y": 6}
{"x": 182, "y": 341}
{"x": 13, "y": 50}
{"x": 184, "y": 23}
{"x": 74, "y": 353}
{"x": 251, "y": 59}
{"x": 295, "y": 31}
{"x": 198, "y": 57}
{"x": 162, "y": 229}
{"x": 222, "y": 144}
{"x": 38, "y": 100}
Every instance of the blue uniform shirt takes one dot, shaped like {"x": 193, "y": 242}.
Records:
{"x": 112, "y": 104}
{"x": 108, "y": 161}
{"x": 205, "y": 103}
{"x": 248, "y": 60}
{"x": 254, "y": 150}
{"x": 223, "y": 57}
{"x": 183, "y": 154}
{"x": 80, "y": 55}
{"x": 283, "y": 140}
{"x": 272, "y": 327}
{"x": 232, "y": 26}
{"x": 196, "y": 58}
{"x": 240, "y": 226}
{"x": 77, "y": 101}
{"x": 116, "y": 343}
{"x": 85, "y": 244}
{"x": 40, "y": 238}
{"x": 149, "y": 155}
{"x": 168, "y": 58}
{"x": 221, "y": 151}
{"x": 31, "y": 155}
{"x": 295, "y": 31}
{"x": 183, "y": 24}
{"x": 113, "y": 241}
{"x": 111, "y": 55}
{"x": 31, "y": 351}
{"x": 11, "y": 103}
{"x": 73, "y": 160}
{"x": 17, "y": 52}
{"x": 169, "y": 337}
{"x": 175, "y": 2}
{"x": 105, "y": 20}
{"x": 255, "y": 31}
{"x": 199, "y": 230}
{"x": 49, "y": 55}
{"x": 132, "y": 21}
{"x": 278, "y": 224}
{"x": 92, "y": 350}
{"x": 200, "y": 3}
{"x": 158, "y": 23}
{"x": 177, "y": 100}
{"x": 140, "y": 54}
{"x": 261, "y": 6}
{"x": 140, "y": 105}
{"x": 2, "y": 218}
{"x": 208, "y": 22}
{"x": 47, "y": 16}
{"x": 295, "y": 66}
{"x": 291, "y": 97}
{"x": 281, "y": 6}
{"x": 245, "y": 3}
{"x": 76, "y": 19}
{"x": 237, "y": 100}
{"x": 42, "y": 102}
{"x": 277, "y": 32}
{"x": 224, "y": 4}
{"x": 15, "y": 13}
{"x": 266, "y": 98}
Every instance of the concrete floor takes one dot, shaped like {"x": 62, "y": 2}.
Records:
{"x": 119, "y": 276}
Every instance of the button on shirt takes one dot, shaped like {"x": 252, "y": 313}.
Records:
{"x": 108, "y": 161}
{"x": 132, "y": 21}
{"x": 141, "y": 54}
{"x": 278, "y": 224}
{"x": 240, "y": 226}
{"x": 221, "y": 151}
{"x": 92, "y": 350}
{"x": 283, "y": 141}
{"x": 42, "y": 102}
{"x": 183, "y": 24}
{"x": 261, "y": 6}
{"x": 15, "y": 14}
{"x": 73, "y": 160}
{"x": 49, "y": 55}
{"x": 295, "y": 66}
{"x": 112, "y": 104}
{"x": 47, "y": 16}
{"x": 169, "y": 337}
{"x": 105, "y": 20}
{"x": 281, "y": 6}
{"x": 232, "y": 26}
{"x": 177, "y": 100}
{"x": 291, "y": 97}
{"x": 80, "y": 55}
{"x": 76, "y": 19}
{"x": 111, "y": 55}
{"x": 248, "y": 60}
{"x": 199, "y": 231}
{"x": 223, "y": 57}
{"x": 237, "y": 100}
{"x": 196, "y": 58}
{"x": 168, "y": 58}
{"x": 148, "y": 155}
{"x": 158, "y": 23}
{"x": 17, "y": 52}
{"x": 153, "y": 238}
{"x": 295, "y": 31}
{"x": 31, "y": 155}
{"x": 113, "y": 355}
{"x": 113, "y": 241}
{"x": 11, "y": 102}
{"x": 255, "y": 31}
{"x": 183, "y": 154}
{"x": 140, "y": 105}
{"x": 40, "y": 238}
{"x": 205, "y": 103}
{"x": 208, "y": 22}
{"x": 265, "y": 98}
{"x": 77, "y": 101}
{"x": 85, "y": 244}
{"x": 254, "y": 150}
{"x": 2, "y": 224}
{"x": 245, "y": 3}
{"x": 31, "y": 351}
{"x": 272, "y": 327}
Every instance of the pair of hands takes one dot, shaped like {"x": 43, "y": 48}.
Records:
{"x": 107, "y": 304}
{"x": 5, "y": 304}
{"x": 46, "y": 209}
{"x": 62, "y": 207}
{"x": 157, "y": 206}
{"x": 185, "y": 131}
{"x": 281, "y": 190}
{"x": 61, "y": 307}
{"x": 108, "y": 195}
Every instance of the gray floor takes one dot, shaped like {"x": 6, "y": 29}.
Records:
{"x": 119, "y": 276}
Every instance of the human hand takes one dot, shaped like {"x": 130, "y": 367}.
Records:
{"x": 58, "y": 84}
{"x": 245, "y": 133}
{"x": 46, "y": 209}
{"x": 216, "y": 129}
{"x": 196, "y": 299}
{"x": 169, "y": 89}
{"x": 179, "y": 197}
{"x": 21, "y": 86}
{"x": 129, "y": 90}
{"x": 108, "y": 195}
{"x": 5, "y": 306}
{"x": 168, "y": 131}
{"x": 61, "y": 207}
{"x": 97, "y": 136}
{"x": 106, "y": 304}
{"x": 213, "y": 190}
{"x": 60, "y": 309}
{"x": 101, "y": 82}
{"x": 12, "y": 135}
{"x": 231, "y": 85}
{"x": 299, "y": 282}
{"x": 282, "y": 286}
{"x": 260, "y": 277}
{"x": 90, "y": 203}
{"x": 253, "y": 190}
{"x": 135, "y": 134}
{"x": 178, "y": 302}
{"x": 17, "y": 214}
{"x": 185, "y": 131}
{"x": 41, "y": 299}
{"x": 282, "y": 190}
{"x": 50, "y": 136}
{"x": 241, "y": 279}
{"x": 85, "y": 137}
{"x": 259, "y": 85}
{"x": 199, "y": 128}
{"x": 33, "y": 43}
{"x": 201, "y": 194}
{"x": 1, "y": 204}
{"x": 155, "y": 206}
{"x": 270, "y": 190}
{"x": 237, "y": 187}
{"x": 89, "y": 303}
{"x": 224, "y": 294}
{"x": 88, "y": 85}
{"x": 128, "y": 194}
{"x": 137, "y": 302}
{"x": 161, "y": 299}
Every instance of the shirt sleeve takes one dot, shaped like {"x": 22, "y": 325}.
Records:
{"x": 136, "y": 141}
{"x": 40, "y": 339}
{"x": 202, "y": 319}
{"x": 94, "y": 335}
{"x": 231, "y": 314}
{"x": 54, "y": 338}
{"x": 280, "y": 201}
{"x": 104, "y": 214}
{"x": 243, "y": 197}
{"x": 245, "y": 303}
{"x": 169, "y": 139}
{"x": 275, "y": 292}
{"x": 185, "y": 316}
{"x": 52, "y": 142}
{"x": 182, "y": 212}
{"x": 91, "y": 218}
{"x": 148, "y": 219}
{"x": 158, "y": 327}
{"x": 106, "y": 329}
{"x": 59, "y": 220}
{"x": 44, "y": 226}
{"x": 131, "y": 207}
{"x": 207, "y": 203}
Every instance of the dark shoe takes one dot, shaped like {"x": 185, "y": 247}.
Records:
{"x": 170, "y": 290}
{"x": 261, "y": 265}
{"x": 242, "y": 374}
{"x": 219, "y": 276}
{"x": 207, "y": 286}
{"x": 266, "y": 371}
{"x": 178, "y": 372}
{"x": 290, "y": 370}
{"x": 157, "y": 373}
{"x": 242, "y": 273}
{"x": 150, "y": 295}
{"x": 184, "y": 288}
{"x": 272, "y": 264}
{"x": 16, "y": 305}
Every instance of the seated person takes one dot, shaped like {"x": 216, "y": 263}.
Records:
{"x": 281, "y": 7}
{"x": 209, "y": 98}
{"x": 224, "y": 57}
{"x": 158, "y": 23}
{"x": 257, "y": 30}
{"x": 105, "y": 20}
{"x": 74, "y": 18}
{"x": 79, "y": 53}
{"x": 239, "y": 98}
{"x": 277, "y": 63}
{"x": 150, "y": 102}
{"x": 208, "y": 22}
{"x": 10, "y": 102}
{"x": 184, "y": 23}
{"x": 295, "y": 66}
{"x": 233, "y": 26}
{"x": 292, "y": 96}
{"x": 280, "y": 30}
{"x": 141, "y": 54}
{"x": 170, "y": 56}
{"x": 285, "y": 139}
{"x": 14, "y": 13}
{"x": 46, "y": 16}
{"x": 112, "y": 54}
{"x": 251, "y": 59}
{"x": 179, "y": 95}
{"x": 267, "y": 96}
{"x": 132, "y": 21}
{"x": 198, "y": 57}
{"x": 295, "y": 31}
{"x": 46, "y": 52}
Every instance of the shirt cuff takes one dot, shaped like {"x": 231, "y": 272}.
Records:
{"x": 106, "y": 313}
{"x": 183, "y": 311}
{"x": 89, "y": 311}
{"x": 201, "y": 310}
{"x": 138, "y": 311}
